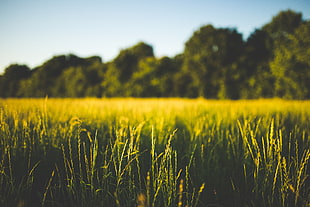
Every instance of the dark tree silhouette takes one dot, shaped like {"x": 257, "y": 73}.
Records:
{"x": 10, "y": 81}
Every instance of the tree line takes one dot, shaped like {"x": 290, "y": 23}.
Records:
{"x": 216, "y": 63}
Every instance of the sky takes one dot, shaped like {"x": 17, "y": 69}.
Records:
{"x": 33, "y": 31}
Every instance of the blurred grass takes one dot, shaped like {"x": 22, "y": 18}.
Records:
{"x": 94, "y": 152}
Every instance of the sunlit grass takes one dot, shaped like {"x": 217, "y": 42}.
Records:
{"x": 154, "y": 152}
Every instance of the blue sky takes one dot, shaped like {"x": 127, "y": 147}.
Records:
{"x": 33, "y": 31}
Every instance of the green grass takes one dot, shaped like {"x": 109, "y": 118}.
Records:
{"x": 154, "y": 152}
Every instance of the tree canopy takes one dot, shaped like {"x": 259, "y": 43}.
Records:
{"x": 216, "y": 63}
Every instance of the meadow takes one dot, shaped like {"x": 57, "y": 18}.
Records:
{"x": 154, "y": 152}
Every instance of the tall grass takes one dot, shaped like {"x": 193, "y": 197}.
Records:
{"x": 154, "y": 152}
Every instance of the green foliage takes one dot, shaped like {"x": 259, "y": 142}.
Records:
{"x": 284, "y": 22}
{"x": 144, "y": 82}
{"x": 153, "y": 78}
{"x": 127, "y": 60}
{"x": 216, "y": 64}
{"x": 10, "y": 81}
{"x": 64, "y": 76}
{"x": 256, "y": 77}
{"x": 111, "y": 84}
{"x": 290, "y": 66}
{"x": 210, "y": 55}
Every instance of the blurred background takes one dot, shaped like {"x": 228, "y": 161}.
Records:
{"x": 211, "y": 49}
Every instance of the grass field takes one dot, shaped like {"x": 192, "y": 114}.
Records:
{"x": 154, "y": 152}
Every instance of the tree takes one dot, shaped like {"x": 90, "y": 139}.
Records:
{"x": 291, "y": 64}
{"x": 119, "y": 72}
{"x": 209, "y": 56}
{"x": 80, "y": 81}
{"x": 144, "y": 81}
{"x": 281, "y": 32}
{"x": 216, "y": 63}
{"x": 260, "y": 50}
{"x": 187, "y": 84}
{"x": 30, "y": 87}
{"x": 284, "y": 22}
{"x": 49, "y": 78}
{"x": 10, "y": 81}
{"x": 111, "y": 85}
{"x": 154, "y": 78}
{"x": 257, "y": 79}
{"x": 127, "y": 60}
{"x": 166, "y": 71}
